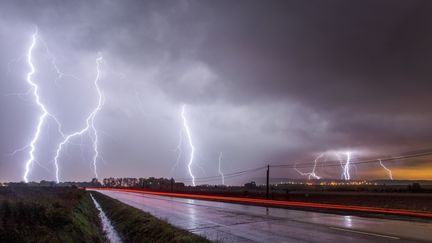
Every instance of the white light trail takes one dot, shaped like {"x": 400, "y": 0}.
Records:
{"x": 43, "y": 115}
{"x": 387, "y": 169}
{"x": 89, "y": 125}
{"x": 191, "y": 158}
{"x": 219, "y": 169}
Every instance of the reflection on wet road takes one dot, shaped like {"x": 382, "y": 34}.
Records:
{"x": 227, "y": 222}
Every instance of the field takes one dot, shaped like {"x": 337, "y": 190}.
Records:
{"x": 44, "y": 214}
{"x": 68, "y": 214}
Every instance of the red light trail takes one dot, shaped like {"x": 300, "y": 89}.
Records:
{"x": 265, "y": 202}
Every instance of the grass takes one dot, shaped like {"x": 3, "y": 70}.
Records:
{"x": 48, "y": 214}
{"x": 134, "y": 225}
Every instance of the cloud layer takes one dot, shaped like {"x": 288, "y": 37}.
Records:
{"x": 274, "y": 82}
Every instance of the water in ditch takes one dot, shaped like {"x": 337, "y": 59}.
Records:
{"x": 109, "y": 230}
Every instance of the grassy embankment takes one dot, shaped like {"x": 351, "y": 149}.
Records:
{"x": 48, "y": 214}
{"x": 134, "y": 225}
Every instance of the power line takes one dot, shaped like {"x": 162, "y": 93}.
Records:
{"x": 229, "y": 175}
{"x": 387, "y": 158}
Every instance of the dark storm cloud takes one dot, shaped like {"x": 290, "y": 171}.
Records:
{"x": 275, "y": 81}
{"x": 357, "y": 54}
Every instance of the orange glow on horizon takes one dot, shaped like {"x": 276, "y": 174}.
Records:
{"x": 419, "y": 172}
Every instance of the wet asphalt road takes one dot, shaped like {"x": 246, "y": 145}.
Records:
{"x": 227, "y": 222}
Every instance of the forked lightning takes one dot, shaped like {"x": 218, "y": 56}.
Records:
{"x": 42, "y": 117}
{"x": 89, "y": 126}
{"x": 192, "y": 147}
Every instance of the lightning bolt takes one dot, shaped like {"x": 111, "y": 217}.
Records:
{"x": 219, "y": 169}
{"x": 89, "y": 127}
{"x": 43, "y": 116}
{"x": 53, "y": 60}
{"x": 346, "y": 167}
{"x": 192, "y": 147}
{"x": 101, "y": 101}
{"x": 387, "y": 169}
{"x": 345, "y": 164}
{"x": 312, "y": 173}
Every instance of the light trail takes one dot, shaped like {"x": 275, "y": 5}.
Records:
{"x": 42, "y": 116}
{"x": 219, "y": 169}
{"x": 89, "y": 125}
{"x": 278, "y": 203}
{"x": 312, "y": 173}
{"x": 387, "y": 169}
{"x": 191, "y": 158}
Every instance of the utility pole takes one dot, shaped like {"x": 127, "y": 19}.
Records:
{"x": 268, "y": 188}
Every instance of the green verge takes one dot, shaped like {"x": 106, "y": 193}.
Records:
{"x": 134, "y": 225}
{"x": 48, "y": 214}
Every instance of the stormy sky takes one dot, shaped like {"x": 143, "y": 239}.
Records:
{"x": 264, "y": 82}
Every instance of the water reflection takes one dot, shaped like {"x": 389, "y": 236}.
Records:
{"x": 347, "y": 221}
{"x": 192, "y": 215}
{"x": 108, "y": 228}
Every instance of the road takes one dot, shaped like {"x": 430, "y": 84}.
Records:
{"x": 228, "y": 222}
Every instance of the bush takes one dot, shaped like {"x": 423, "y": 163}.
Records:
{"x": 30, "y": 214}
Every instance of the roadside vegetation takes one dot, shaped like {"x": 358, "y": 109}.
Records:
{"x": 134, "y": 225}
{"x": 48, "y": 214}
